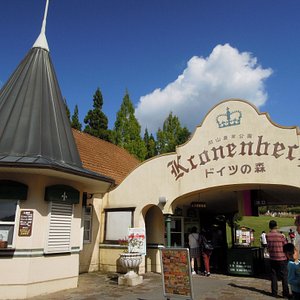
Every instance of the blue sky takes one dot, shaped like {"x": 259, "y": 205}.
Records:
{"x": 180, "y": 56}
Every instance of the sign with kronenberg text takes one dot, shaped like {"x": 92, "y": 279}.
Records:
{"x": 234, "y": 147}
{"x": 248, "y": 146}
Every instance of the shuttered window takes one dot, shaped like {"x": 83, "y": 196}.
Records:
{"x": 60, "y": 223}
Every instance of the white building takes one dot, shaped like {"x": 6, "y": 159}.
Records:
{"x": 62, "y": 211}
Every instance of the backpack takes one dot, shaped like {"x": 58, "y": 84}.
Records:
{"x": 292, "y": 235}
{"x": 207, "y": 245}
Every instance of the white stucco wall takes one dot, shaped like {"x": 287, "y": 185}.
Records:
{"x": 252, "y": 153}
{"x": 89, "y": 256}
{"x": 27, "y": 271}
{"x": 197, "y": 171}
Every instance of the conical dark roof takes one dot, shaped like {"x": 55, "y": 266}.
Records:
{"x": 34, "y": 127}
{"x": 33, "y": 121}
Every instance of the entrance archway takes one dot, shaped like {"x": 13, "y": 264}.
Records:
{"x": 214, "y": 208}
{"x": 235, "y": 161}
{"x": 154, "y": 222}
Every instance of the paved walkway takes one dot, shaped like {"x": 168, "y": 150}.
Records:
{"x": 100, "y": 286}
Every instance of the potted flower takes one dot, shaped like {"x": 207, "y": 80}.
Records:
{"x": 3, "y": 243}
{"x": 131, "y": 258}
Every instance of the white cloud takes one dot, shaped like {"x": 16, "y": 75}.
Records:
{"x": 225, "y": 73}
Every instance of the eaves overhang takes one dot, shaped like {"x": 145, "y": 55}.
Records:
{"x": 39, "y": 165}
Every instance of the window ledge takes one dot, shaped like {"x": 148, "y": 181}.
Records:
{"x": 112, "y": 246}
{"x": 7, "y": 251}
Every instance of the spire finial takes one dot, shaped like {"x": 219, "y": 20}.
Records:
{"x": 41, "y": 41}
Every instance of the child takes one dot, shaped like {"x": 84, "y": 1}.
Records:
{"x": 293, "y": 269}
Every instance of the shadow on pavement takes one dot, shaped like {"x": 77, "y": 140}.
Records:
{"x": 253, "y": 289}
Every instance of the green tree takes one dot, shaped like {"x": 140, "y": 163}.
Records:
{"x": 127, "y": 130}
{"x": 183, "y": 135}
{"x": 96, "y": 120}
{"x": 150, "y": 144}
{"x": 171, "y": 135}
{"x": 75, "y": 119}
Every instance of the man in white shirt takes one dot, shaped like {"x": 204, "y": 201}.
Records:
{"x": 263, "y": 242}
{"x": 297, "y": 233}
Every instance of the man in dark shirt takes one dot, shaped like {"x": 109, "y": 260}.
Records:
{"x": 278, "y": 261}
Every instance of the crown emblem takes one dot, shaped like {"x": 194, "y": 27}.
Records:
{"x": 229, "y": 118}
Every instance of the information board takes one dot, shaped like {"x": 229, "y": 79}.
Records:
{"x": 25, "y": 225}
{"x": 176, "y": 273}
{"x": 241, "y": 261}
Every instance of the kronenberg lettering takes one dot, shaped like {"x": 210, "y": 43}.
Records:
{"x": 256, "y": 147}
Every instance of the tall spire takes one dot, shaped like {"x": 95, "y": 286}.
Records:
{"x": 41, "y": 41}
{"x": 35, "y": 131}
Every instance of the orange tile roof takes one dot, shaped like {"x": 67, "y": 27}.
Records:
{"x": 103, "y": 157}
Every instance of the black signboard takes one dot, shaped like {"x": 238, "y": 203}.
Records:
{"x": 244, "y": 261}
{"x": 25, "y": 225}
{"x": 176, "y": 272}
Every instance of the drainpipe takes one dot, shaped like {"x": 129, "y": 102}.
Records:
{"x": 168, "y": 219}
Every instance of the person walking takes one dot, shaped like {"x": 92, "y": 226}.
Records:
{"x": 263, "y": 242}
{"x": 206, "y": 250}
{"x": 194, "y": 243}
{"x": 278, "y": 260}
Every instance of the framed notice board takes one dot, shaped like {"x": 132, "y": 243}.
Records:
{"x": 25, "y": 224}
{"x": 176, "y": 273}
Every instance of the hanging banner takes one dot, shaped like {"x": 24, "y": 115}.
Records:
{"x": 176, "y": 273}
{"x": 137, "y": 240}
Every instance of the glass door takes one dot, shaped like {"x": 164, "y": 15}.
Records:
{"x": 177, "y": 232}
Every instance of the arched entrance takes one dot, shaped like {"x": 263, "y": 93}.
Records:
{"x": 155, "y": 229}
{"x": 236, "y": 160}
{"x": 213, "y": 209}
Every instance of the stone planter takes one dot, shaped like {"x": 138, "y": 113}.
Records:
{"x": 130, "y": 261}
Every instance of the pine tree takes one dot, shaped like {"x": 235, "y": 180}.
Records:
{"x": 96, "y": 120}
{"x": 171, "y": 135}
{"x": 150, "y": 144}
{"x": 127, "y": 130}
{"x": 75, "y": 119}
{"x": 183, "y": 136}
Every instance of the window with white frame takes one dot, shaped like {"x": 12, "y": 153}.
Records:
{"x": 10, "y": 194}
{"x": 7, "y": 220}
{"x": 117, "y": 222}
{"x": 87, "y": 219}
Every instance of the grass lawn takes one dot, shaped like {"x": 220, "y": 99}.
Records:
{"x": 259, "y": 224}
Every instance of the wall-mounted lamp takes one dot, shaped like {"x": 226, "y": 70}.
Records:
{"x": 89, "y": 196}
{"x": 87, "y": 199}
{"x": 90, "y": 202}
{"x": 162, "y": 200}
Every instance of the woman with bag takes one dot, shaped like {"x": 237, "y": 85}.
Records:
{"x": 194, "y": 242}
{"x": 206, "y": 249}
